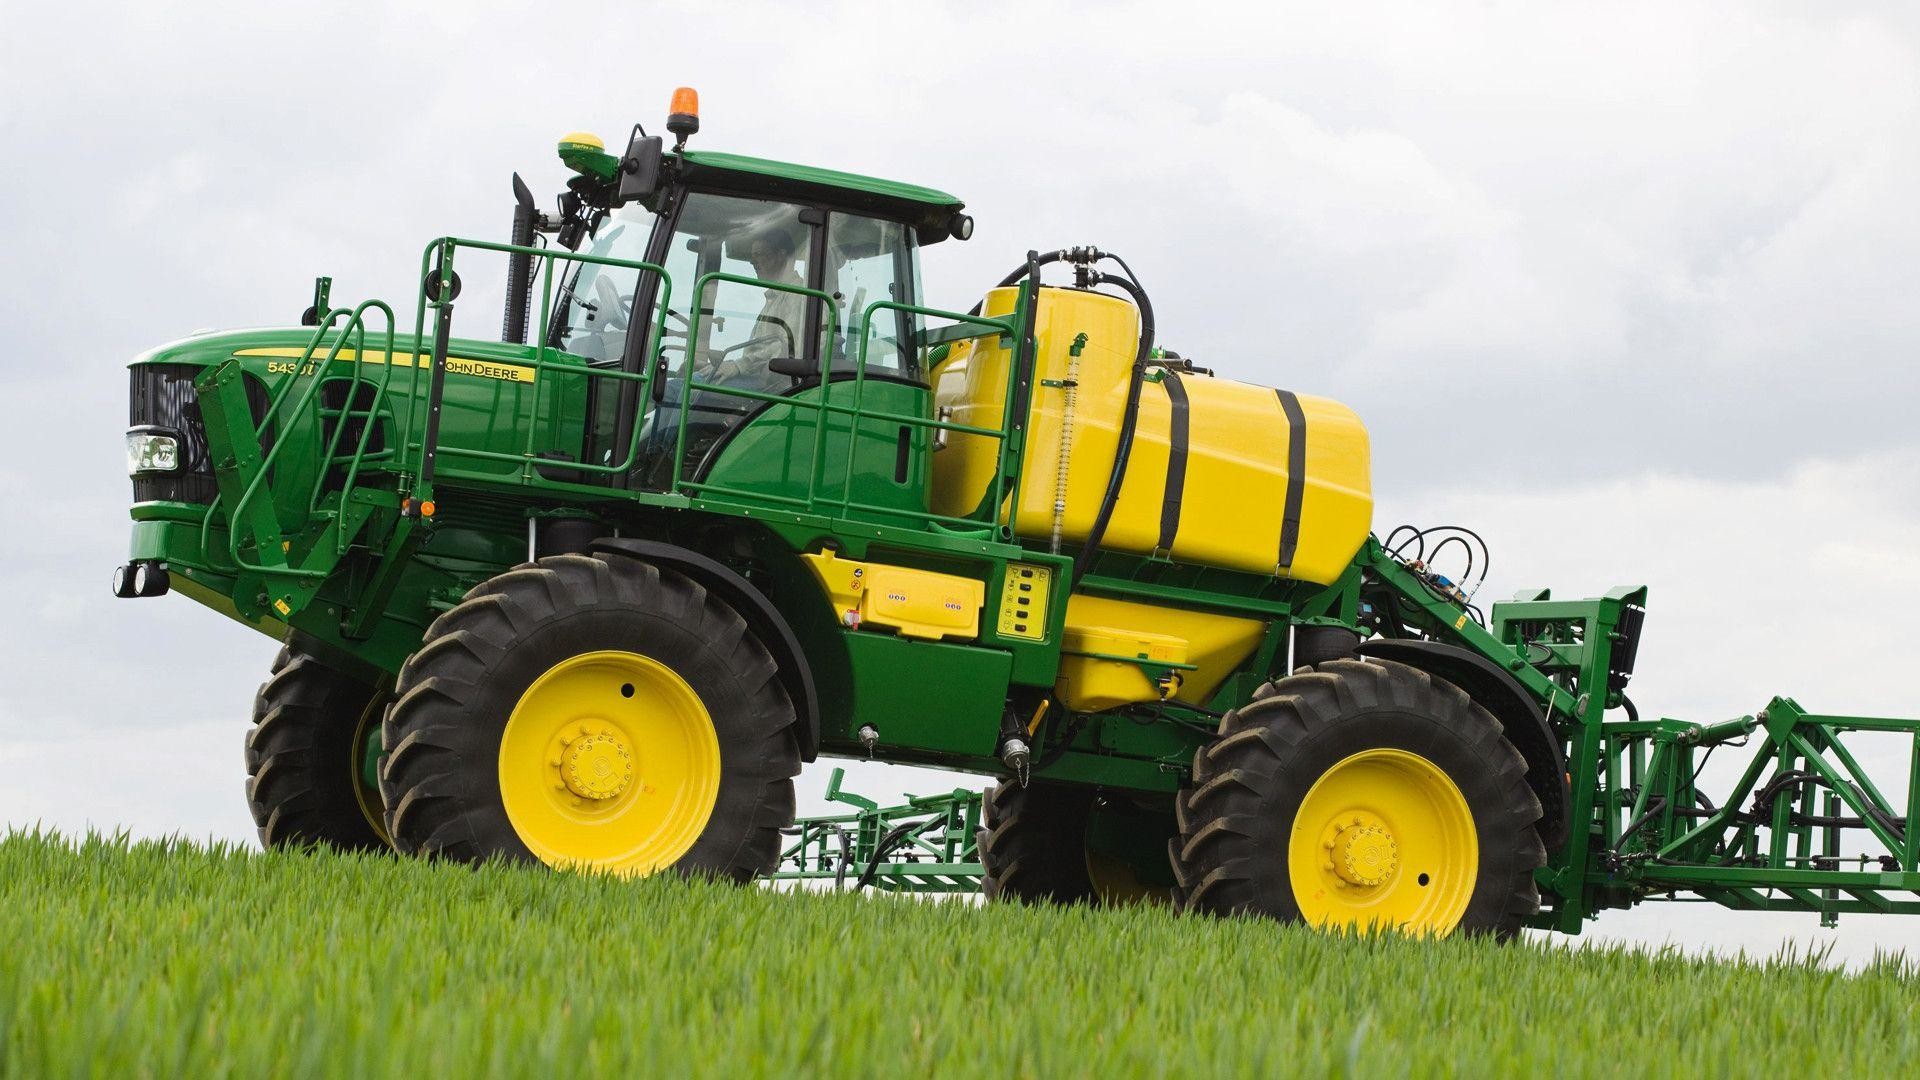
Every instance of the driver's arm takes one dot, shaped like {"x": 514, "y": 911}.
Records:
{"x": 778, "y": 329}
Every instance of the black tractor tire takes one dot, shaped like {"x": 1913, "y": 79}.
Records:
{"x": 439, "y": 776}
{"x": 1038, "y": 846}
{"x": 1237, "y": 815}
{"x": 303, "y": 755}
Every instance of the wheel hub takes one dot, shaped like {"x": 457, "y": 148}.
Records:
{"x": 610, "y": 760}
{"x": 1365, "y": 855}
{"x": 1391, "y": 844}
{"x": 597, "y": 766}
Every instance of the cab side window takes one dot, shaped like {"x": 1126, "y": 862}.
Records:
{"x": 868, "y": 261}
{"x": 742, "y": 325}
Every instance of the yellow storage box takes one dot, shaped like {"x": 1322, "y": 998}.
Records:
{"x": 1214, "y": 467}
{"x": 917, "y": 603}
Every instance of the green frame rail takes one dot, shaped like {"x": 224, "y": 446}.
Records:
{"x": 1643, "y": 824}
{"x": 1778, "y": 848}
{"x": 927, "y": 844}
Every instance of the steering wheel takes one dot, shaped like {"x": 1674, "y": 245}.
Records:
{"x": 718, "y": 357}
{"x": 618, "y": 310}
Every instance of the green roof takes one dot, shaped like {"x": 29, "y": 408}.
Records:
{"x": 806, "y": 174}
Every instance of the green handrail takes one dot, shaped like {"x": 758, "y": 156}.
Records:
{"x": 355, "y": 327}
{"x": 366, "y": 429}
{"x": 985, "y": 324}
{"x": 689, "y": 384}
{"x": 541, "y": 361}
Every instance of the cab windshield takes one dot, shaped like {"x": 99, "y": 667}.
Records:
{"x": 596, "y": 303}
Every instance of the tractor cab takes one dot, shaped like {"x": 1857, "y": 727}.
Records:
{"x": 775, "y": 279}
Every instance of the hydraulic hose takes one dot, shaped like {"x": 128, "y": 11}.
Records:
{"x": 1035, "y": 260}
{"x": 1128, "y": 420}
{"x": 893, "y": 838}
{"x": 1060, "y": 748}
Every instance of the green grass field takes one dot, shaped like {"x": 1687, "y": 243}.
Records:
{"x": 175, "y": 960}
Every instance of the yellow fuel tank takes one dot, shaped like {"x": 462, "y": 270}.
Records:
{"x": 1215, "y": 467}
{"x": 1106, "y": 641}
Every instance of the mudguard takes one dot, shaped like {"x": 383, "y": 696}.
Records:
{"x": 796, "y": 674}
{"x": 1494, "y": 690}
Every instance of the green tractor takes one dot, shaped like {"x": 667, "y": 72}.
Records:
{"x": 727, "y": 496}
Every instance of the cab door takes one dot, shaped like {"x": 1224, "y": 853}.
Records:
{"x": 875, "y": 465}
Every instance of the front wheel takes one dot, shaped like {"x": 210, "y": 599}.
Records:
{"x": 597, "y": 713}
{"x": 309, "y": 776}
{"x": 1362, "y": 794}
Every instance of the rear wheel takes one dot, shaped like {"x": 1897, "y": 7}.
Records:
{"x": 592, "y": 712}
{"x": 307, "y": 757}
{"x": 1069, "y": 844}
{"x": 1362, "y": 794}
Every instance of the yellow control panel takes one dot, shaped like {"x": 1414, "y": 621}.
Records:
{"x": 1023, "y": 602}
{"x": 917, "y": 603}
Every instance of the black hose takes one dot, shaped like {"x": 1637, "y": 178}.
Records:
{"x": 885, "y": 847}
{"x": 1128, "y": 421}
{"x": 1059, "y": 749}
{"x": 1130, "y": 418}
{"x": 1793, "y": 778}
{"x": 1035, "y": 261}
{"x": 846, "y": 857}
{"x": 1654, "y": 806}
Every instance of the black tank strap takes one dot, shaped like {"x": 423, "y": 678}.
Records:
{"x": 1296, "y": 477}
{"x": 1177, "y": 432}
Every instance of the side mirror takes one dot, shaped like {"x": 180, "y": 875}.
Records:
{"x": 639, "y": 170}
{"x": 793, "y": 367}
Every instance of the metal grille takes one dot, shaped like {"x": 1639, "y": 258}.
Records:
{"x": 162, "y": 396}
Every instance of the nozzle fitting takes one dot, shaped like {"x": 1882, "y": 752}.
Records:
{"x": 1016, "y": 755}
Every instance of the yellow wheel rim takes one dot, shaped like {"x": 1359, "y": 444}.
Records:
{"x": 1117, "y": 884}
{"x": 1384, "y": 839}
{"x": 609, "y": 761}
{"x": 367, "y": 795}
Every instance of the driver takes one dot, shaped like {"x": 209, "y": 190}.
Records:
{"x": 773, "y": 250}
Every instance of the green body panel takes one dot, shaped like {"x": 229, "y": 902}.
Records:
{"x": 368, "y": 476}
{"x": 478, "y": 412}
{"x": 892, "y": 677}
{"x": 771, "y": 456}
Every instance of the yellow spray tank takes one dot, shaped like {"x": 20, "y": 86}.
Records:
{"x": 1215, "y": 471}
{"x": 1212, "y": 468}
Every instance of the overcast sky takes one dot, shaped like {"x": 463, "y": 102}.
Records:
{"x": 1629, "y": 287}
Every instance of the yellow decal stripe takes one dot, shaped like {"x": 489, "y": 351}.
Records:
{"x": 456, "y": 365}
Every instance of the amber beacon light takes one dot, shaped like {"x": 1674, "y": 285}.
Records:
{"x": 683, "y": 114}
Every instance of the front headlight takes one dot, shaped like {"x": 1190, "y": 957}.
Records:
{"x": 148, "y": 452}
